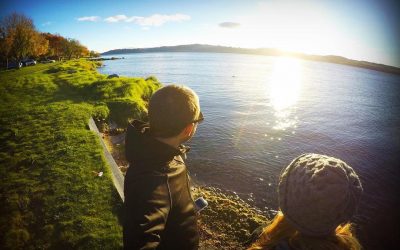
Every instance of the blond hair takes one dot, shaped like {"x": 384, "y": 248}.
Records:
{"x": 280, "y": 230}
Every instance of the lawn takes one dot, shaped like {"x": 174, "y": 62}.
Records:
{"x": 50, "y": 197}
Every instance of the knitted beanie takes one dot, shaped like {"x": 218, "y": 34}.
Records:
{"x": 317, "y": 193}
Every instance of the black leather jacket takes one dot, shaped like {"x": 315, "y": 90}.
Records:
{"x": 159, "y": 209}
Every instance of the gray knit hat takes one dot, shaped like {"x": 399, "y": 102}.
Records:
{"x": 317, "y": 193}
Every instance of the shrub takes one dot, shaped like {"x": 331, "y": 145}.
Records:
{"x": 100, "y": 113}
{"x": 121, "y": 111}
{"x": 16, "y": 239}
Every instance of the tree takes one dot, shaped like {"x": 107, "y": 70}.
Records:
{"x": 56, "y": 45}
{"x": 84, "y": 51}
{"x": 40, "y": 45}
{"x": 93, "y": 53}
{"x": 19, "y": 39}
{"x": 19, "y": 31}
{"x": 67, "y": 48}
{"x": 73, "y": 48}
{"x": 5, "y": 45}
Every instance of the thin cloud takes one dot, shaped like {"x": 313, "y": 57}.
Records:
{"x": 153, "y": 20}
{"x": 88, "y": 19}
{"x": 115, "y": 19}
{"x": 46, "y": 23}
{"x": 229, "y": 25}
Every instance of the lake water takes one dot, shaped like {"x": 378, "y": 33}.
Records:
{"x": 261, "y": 112}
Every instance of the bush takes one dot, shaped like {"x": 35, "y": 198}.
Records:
{"x": 121, "y": 111}
{"x": 16, "y": 239}
{"x": 100, "y": 113}
{"x": 152, "y": 78}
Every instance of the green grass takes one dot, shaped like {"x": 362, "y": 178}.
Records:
{"x": 49, "y": 196}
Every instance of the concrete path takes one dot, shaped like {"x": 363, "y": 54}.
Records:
{"x": 117, "y": 176}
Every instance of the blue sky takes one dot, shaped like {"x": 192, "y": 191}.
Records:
{"x": 358, "y": 29}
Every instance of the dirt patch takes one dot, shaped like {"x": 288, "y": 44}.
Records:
{"x": 115, "y": 143}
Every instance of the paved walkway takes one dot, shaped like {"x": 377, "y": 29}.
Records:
{"x": 117, "y": 176}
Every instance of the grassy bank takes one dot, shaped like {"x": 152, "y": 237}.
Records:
{"x": 50, "y": 196}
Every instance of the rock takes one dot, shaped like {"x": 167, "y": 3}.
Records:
{"x": 113, "y": 76}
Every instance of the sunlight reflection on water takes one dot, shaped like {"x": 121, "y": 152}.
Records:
{"x": 284, "y": 91}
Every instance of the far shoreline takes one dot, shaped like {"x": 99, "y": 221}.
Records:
{"x": 200, "y": 48}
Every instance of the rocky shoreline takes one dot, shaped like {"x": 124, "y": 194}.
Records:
{"x": 104, "y": 58}
{"x": 228, "y": 221}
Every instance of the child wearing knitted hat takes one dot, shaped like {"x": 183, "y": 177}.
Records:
{"x": 318, "y": 195}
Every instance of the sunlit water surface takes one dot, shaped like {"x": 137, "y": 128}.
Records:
{"x": 261, "y": 112}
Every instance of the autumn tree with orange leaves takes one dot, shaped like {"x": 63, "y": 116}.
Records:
{"x": 19, "y": 39}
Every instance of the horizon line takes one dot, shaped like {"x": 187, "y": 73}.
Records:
{"x": 293, "y": 53}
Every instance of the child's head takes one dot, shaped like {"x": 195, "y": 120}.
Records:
{"x": 171, "y": 109}
{"x": 317, "y": 193}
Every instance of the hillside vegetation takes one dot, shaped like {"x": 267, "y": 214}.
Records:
{"x": 50, "y": 194}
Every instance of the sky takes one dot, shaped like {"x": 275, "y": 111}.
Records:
{"x": 357, "y": 29}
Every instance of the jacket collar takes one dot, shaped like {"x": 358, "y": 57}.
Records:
{"x": 141, "y": 146}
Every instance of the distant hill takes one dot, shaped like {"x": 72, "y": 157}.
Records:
{"x": 262, "y": 51}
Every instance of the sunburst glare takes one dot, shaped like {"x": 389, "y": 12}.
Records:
{"x": 284, "y": 91}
